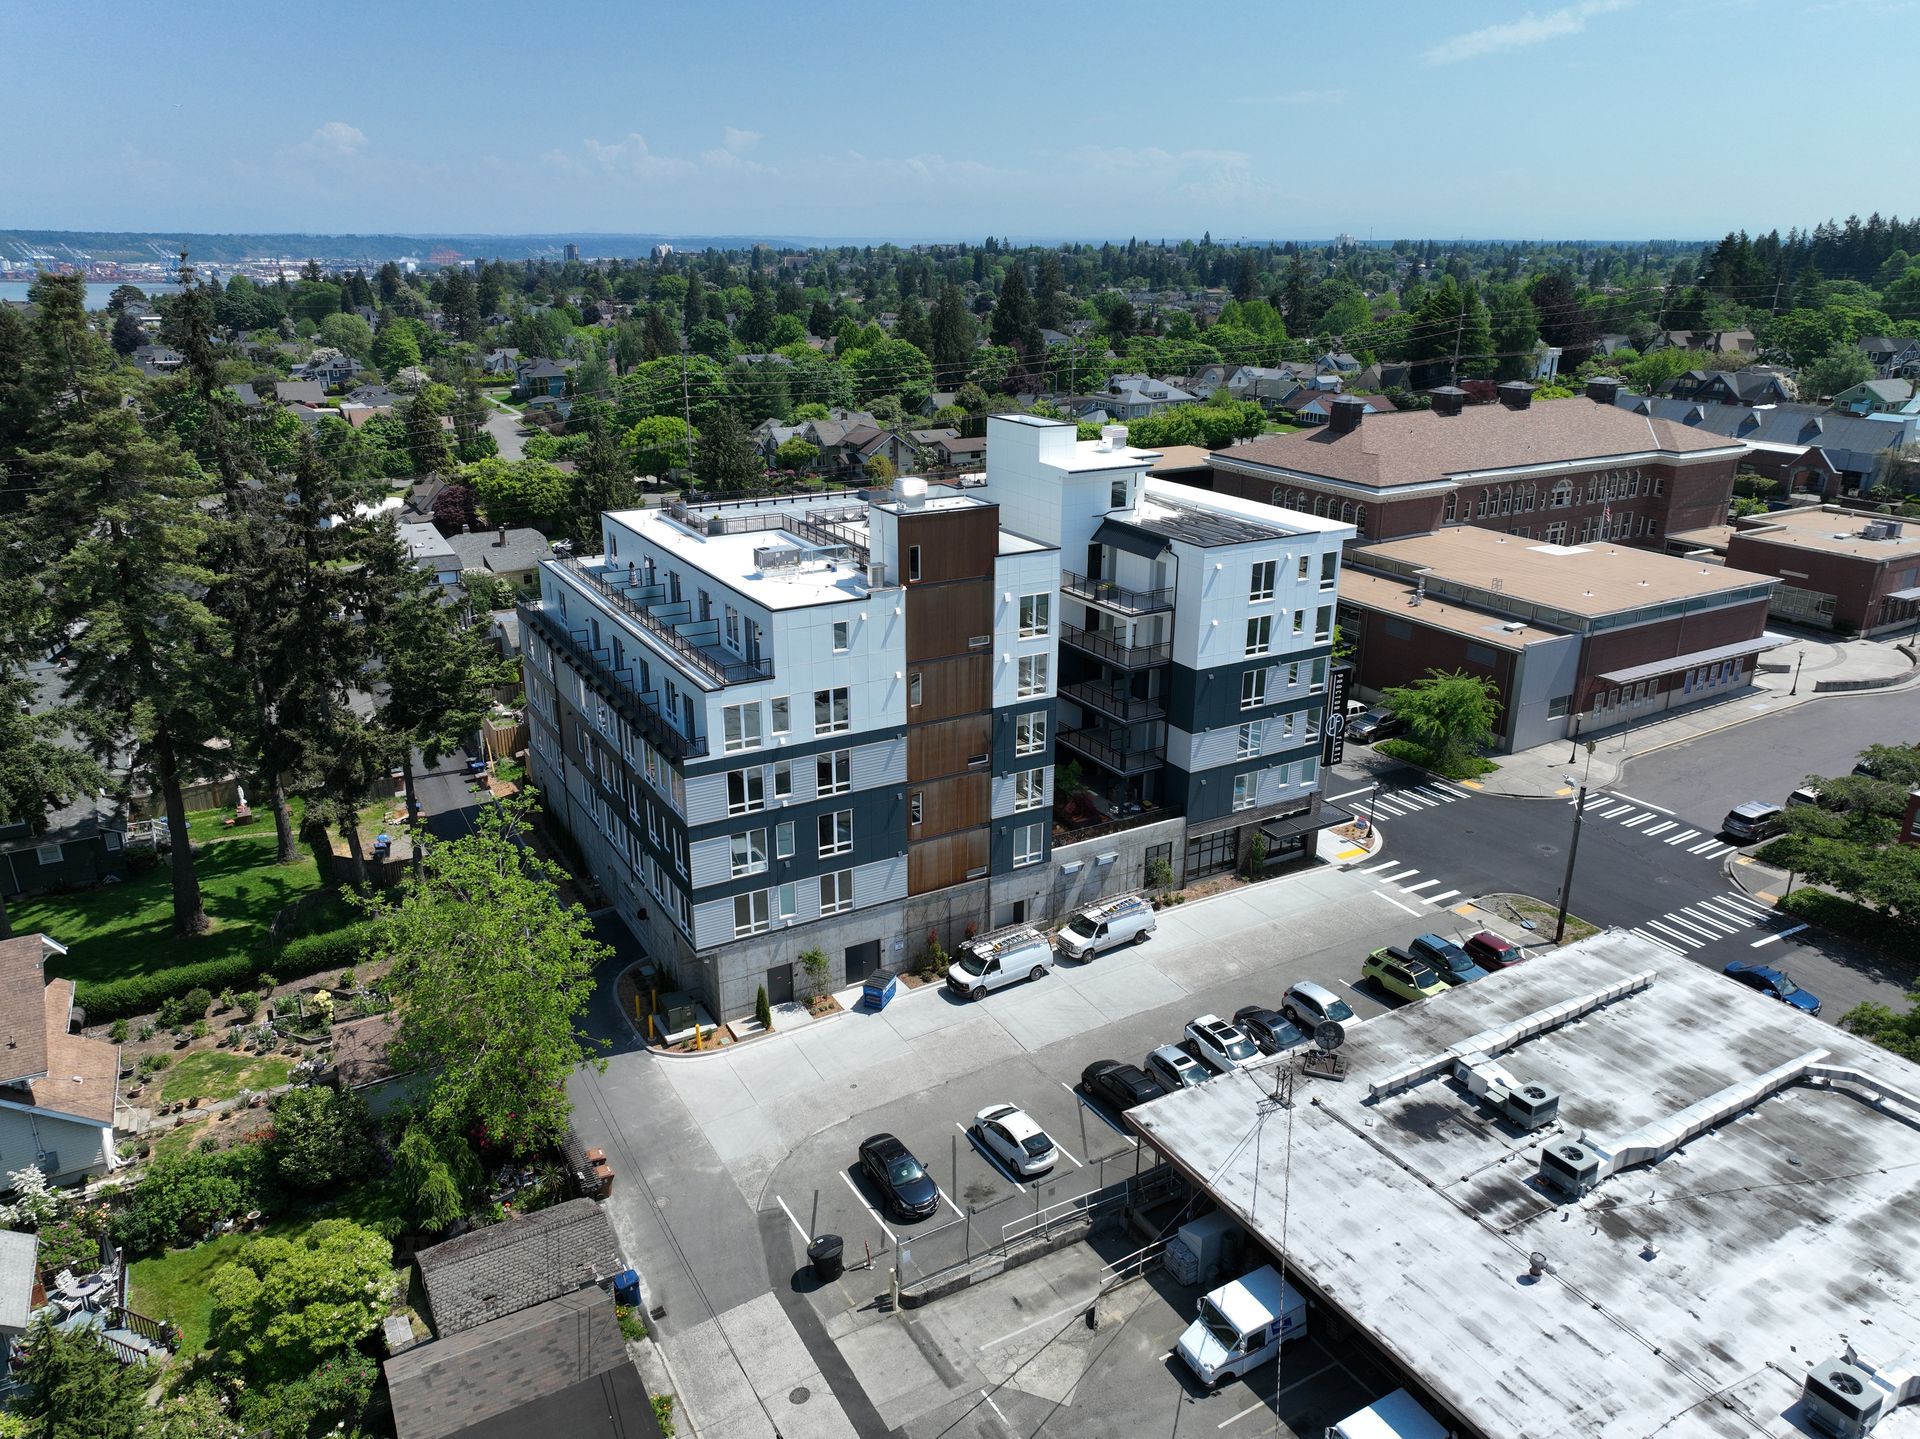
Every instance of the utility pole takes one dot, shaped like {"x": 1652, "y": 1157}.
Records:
{"x": 1566, "y": 884}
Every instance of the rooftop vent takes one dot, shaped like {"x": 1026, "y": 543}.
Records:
{"x": 1881, "y": 530}
{"x": 1113, "y": 437}
{"x": 1516, "y": 394}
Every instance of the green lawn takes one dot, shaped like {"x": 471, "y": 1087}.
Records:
{"x": 125, "y": 929}
{"x": 221, "y": 1074}
{"x": 174, "y": 1286}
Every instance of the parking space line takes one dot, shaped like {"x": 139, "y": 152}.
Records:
{"x": 1643, "y": 804}
{"x": 1683, "y": 836}
{"x": 1660, "y": 828}
{"x": 1378, "y": 867}
{"x": 1043, "y": 1319}
{"x": 1688, "y": 940}
{"x": 988, "y": 1155}
{"x": 986, "y": 1395}
{"x": 943, "y": 1194}
{"x": 1267, "y": 1403}
{"x": 1066, "y": 1151}
{"x": 869, "y": 1208}
{"x": 1440, "y": 898}
{"x": 791, "y": 1220}
{"x": 1772, "y": 937}
{"x": 1098, "y": 1113}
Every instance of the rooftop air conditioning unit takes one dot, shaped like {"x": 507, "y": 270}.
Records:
{"x": 1842, "y": 1399}
{"x": 1876, "y": 530}
{"x": 1531, "y": 1106}
{"x": 1569, "y": 1167}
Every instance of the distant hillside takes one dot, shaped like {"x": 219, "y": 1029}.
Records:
{"x": 124, "y": 246}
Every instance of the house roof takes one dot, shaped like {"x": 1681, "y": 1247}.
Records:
{"x": 1890, "y": 391}
{"x": 426, "y": 545}
{"x": 505, "y": 1268}
{"x": 1180, "y": 457}
{"x": 360, "y": 1050}
{"x": 482, "y": 550}
{"x": 1422, "y": 446}
{"x": 81, "y": 1073}
{"x": 516, "y": 1368}
{"x": 1852, "y": 441}
{"x": 23, "y": 1016}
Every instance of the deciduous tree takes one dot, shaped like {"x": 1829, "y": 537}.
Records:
{"x": 1449, "y": 715}
{"x": 286, "y": 1303}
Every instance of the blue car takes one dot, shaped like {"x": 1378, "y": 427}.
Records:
{"x": 1774, "y": 984}
{"x": 1446, "y": 959}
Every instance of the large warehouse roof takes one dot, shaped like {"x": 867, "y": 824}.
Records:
{"x": 1752, "y": 1212}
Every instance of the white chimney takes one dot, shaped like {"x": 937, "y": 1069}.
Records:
{"x": 1113, "y": 437}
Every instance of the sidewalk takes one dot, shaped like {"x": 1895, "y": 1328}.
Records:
{"x": 1541, "y": 772}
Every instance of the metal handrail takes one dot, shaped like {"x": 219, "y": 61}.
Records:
{"x": 1125, "y": 762}
{"x": 1112, "y": 651}
{"x": 1064, "y": 835}
{"x": 643, "y": 714}
{"x": 1126, "y": 708}
{"x": 1118, "y": 597}
{"x": 720, "y": 672}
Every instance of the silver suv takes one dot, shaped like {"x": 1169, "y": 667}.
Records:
{"x": 1308, "y": 1004}
{"x": 1173, "y": 1068}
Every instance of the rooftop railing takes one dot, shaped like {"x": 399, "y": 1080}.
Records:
{"x": 1113, "y": 596}
{"x": 711, "y": 662}
{"x": 643, "y": 711}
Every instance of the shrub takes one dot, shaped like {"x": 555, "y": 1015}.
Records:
{"x": 335, "y": 1392}
{"x": 196, "y": 1002}
{"x": 762, "y": 1010}
{"x": 184, "y": 1195}
{"x": 1159, "y": 873}
{"x": 632, "y": 1327}
{"x": 118, "y": 1031}
{"x": 322, "y": 1137}
{"x": 311, "y": 953}
{"x": 66, "y": 1244}
{"x": 663, "y": 1414}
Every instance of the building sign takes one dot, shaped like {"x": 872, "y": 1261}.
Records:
{"x": 1333, "y": 744}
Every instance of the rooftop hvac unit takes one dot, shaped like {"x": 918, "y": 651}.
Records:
{"x": 1877, "y": 530}
{"x": 1569, "y": 1167}
{"x": 1531, "y": 1106}
{"x": 1842, "y": 1399}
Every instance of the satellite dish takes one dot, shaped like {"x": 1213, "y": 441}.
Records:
{"x": 1328, "y": 1035}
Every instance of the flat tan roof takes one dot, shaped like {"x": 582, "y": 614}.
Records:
{"x": 1393, "y": 597}
{"x": 1834, "y": 531}
{"x": 1709, "y": 537}
{"x": 1601, "y": 578}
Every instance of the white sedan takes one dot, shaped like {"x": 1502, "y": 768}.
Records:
{"x": 1010, "y": 1135}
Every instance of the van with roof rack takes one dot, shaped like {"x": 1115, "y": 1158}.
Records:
{"x": 991, "y": 961}
{"x": 1106, "y": 925}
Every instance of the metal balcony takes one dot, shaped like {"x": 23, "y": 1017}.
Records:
{"x": 697, "y": 642}
{"x": 1101, "y": 698}
{"x": 1132, "y": 657}
{"x": 643, "y": 711}
{"x": 1100, "y": 746}
{"x": 1115, "y": 597}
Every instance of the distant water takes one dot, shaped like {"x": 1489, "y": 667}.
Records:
{"x": 96, "y": 293}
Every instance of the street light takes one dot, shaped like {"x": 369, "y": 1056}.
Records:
{"x": 1799, "y": 660}
{"x": 1566, "y": 884}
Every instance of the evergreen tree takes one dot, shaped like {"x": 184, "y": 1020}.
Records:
{"x": 428, "y": 443}
{"x": 461, "y": 303}
{"x": 1246, "y": 275}
{"x": 661, "y": 338}
{"x": 1049, "y": 293}
{"x": 952, "y": 334}
{"x": 725, "y": 460}
{"x": 603, "y": 482}
{"x": 77, "y": 1389}
{"x": 694, "y": 308}
{"x": 1296, "y": 299}
{"x": 1013, "y": 322}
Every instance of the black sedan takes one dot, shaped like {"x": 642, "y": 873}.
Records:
{"x": 1120, "y": 1085}
{"x": 1269, "y": 1028}
{"x": 903, "y": 1182}
{"x": 1373, "y": 725}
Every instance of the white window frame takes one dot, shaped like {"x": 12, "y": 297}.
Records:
{"x": 1248, "y": 742}
{"x": 1036, "y": 616}
{"x": 830, "y": 781}
{"x": 1246, "y": 790}
{"x": 836, "y": 892}
{"x": 781, "y": 716}
{"x": 1253, "y": 688}
{"x": 838, "y": 703}
{"x": 1260, "y": 586}
{"x": 1030, "y": 732}
{"x": 783, "y": 840}
{"x": 1032, "y": 676}
{"x": 839, "y": 825}
{"x": 1323, "y": 625}
{"x": 1029, "y": 789}
{"x": 842, "y": 636}
{"x": 753, "y": 790}
{"x": 1259, "y": 634}
{"x": 1029, "y": 845}
{"x": 752, "y": 913}
{"x": 783, "y": 780}
{"x": 747, "y": 852}
{"x": 740, "y": 727}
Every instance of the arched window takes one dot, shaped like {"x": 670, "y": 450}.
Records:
{"x": 1360, "y": 520}
{"x": 1562, "y": 495}
{"x": 1346, "y": 511}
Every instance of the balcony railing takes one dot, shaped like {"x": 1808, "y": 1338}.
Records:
{"x": 1120, "y": 758}
{"x": 708, "y": 661}
{"x": 1133, "y": 657}
{"x": 642, "y": 711}
{"x": 1116, "y": 597}
{"x": 1127, "y": 708}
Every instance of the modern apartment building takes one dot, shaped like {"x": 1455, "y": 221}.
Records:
{"x": 831, "y": 722}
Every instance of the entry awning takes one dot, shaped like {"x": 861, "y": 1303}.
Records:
{"x": 1635, "y": 673}
{"x": 1294, "y": 825}
{"x": 1123, "y": 536}
{"x": 1913, "y": 594}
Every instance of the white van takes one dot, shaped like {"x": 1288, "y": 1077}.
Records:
{"x": 1241, "y": 1324}
{"x": 1397, "y": 1416}
{"x": 1004, "y": 957}
{"x": 1106, "y": 925}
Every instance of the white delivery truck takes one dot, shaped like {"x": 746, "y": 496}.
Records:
{"x": 1241, "y": 1324}
{"x": 1004, "y": 957}
{"x": 1106, "y": 925}
{"x": 1397, "y": 1416}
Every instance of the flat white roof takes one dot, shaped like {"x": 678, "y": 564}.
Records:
{"x": 1688, "y": 1295}
{"x": 730, "y": 561}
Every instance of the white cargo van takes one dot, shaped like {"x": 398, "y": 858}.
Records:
{"x": 1004, "y": 957}
{"x": 1106, "y": 925}
{"x": 1397, "y": 1416}
{"x": 1241, "y": 1324}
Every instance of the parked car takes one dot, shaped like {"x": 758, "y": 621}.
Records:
{"x": 1307, "y": 1004}
{"x": 903, "y": 1181}
{"x": 1120, "y": 1085}
{"x": 1269, "y": 1028}
{"x": 1009, "y": 1134}
{"x": 1446, "y": 959}
{"x": 1754, "y": 820}
{"x": 1002, "y": 958}
{"x": 1399, "y": 974}
{"x": 1171, "y": 1067}
{"x": 1104, "y": 926}
{"x": 1374, "y": 724}
{"x": 1494, "y": 951}
{"x": 1774, "y": 983}
{"x": 1220, "y": 1045}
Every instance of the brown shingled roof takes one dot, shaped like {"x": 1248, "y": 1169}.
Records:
{"x": 1424, "y": 446}
{"x": 81, "y": 1072}
{"x": 360, "y": 1049}
{"x": 23, "y": 1015}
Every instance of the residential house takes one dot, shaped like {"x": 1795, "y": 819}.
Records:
{"x": 1053, "y": 339}
{"x": 56, "y": 1087}
{"x": 937, "y": 401}
{"x": 1713, "y": 342}
{"x": 1135, "y": 397}
{"x": 330, "y": 367}
{"x": 967, "y": 452}
{"x": 1808, "y": 449}
{"x": 375, "y": 396}
{"x": 865, "y": 443}
{"x": 1731, "y": 387}
{"x": 428, "y": 550}
{"x": 310, "y": 393}
{"x": 487, "y": 1274}
{"x": 1336, "y": 362}
{"x": 1316, "y": 406}
{"x": 1613, "y": 342}
{"x": 501, "y": 361}
{"x": 1891, "y": 355}
{"x": 1383, "y": 375}
{"x": 157, "y": 359}
{"x": 1875, "y": 397}
{"x": 85, "y": 841}
{"x": 541, "y": 377}
{"x": 19, "y": 1275}
{"x": 513, "y": 555}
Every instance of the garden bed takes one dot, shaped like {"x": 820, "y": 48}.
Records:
{"x": 1408, "y": 752}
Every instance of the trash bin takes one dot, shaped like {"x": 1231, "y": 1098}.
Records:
{"x": 626, "y": 1288}
{"x": 825, "y": 1255}
{"x": 878, "y": 989}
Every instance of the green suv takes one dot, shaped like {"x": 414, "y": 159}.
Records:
{"x": 1397, "y": 972}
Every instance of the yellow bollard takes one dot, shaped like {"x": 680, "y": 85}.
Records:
{"x": 696, "y": 1038}
{"x": 649, "y": 1026}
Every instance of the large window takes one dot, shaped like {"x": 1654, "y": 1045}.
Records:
{"x": 1259, "y": 634}
{"x": 750, "y": 853}
{"x": 833, "y": 772}
{"x": 783, "y": 780}
{"x": 750, "y": 913}
{"x": 783, "y": 840}
{"x": 836, "y": 891}
{"x": 780, "y": 709}
{"x": 1033, "y": 675}
{"x": 832, "y": 711}
{"x": 1253, "y": 688}
{"x": 1329, "y": 566}
{"x": 741, "y": 725}
{"x": 1212, "y": 854}
{"x": 1030, "y": 733}
{"x": 1029, "y": 789}
{"x": 835, "y": 832}
{"x": 1261, "y": 587}
{"x": 1249, "y": 740}
{"x": 1029, "y": 844}
{"x": 1246, "y": 789}
{"x": 746, "y": 791}
{"x": 1036, "y": 613}
{"x": 1323, "y": 624}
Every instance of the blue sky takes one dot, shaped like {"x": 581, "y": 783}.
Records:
{"x": 1599, "y": 118}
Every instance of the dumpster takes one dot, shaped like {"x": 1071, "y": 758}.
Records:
{"x": 878, "y": 990}
{"x": 825, "y": 1255}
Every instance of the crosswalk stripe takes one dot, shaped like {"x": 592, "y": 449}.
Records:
{"x": 1709, "y": 919}
{"x": 1638, "y": 819}
{"x": 1596, "y": 799}
{"x": 1378, "y": 867}
{"x": 1612, "y": 812}
{"x": 1693, "y": 927}
{"x": 1660, "y": 828}
{"x": 1396, "y": 878}
{"x": 1439, "y": 794}
{"x": 1746, "y": 906}
{"x": 1442, "y": 897}
{"x": 1416, "y": 888}
{"x": 1730, "y": 914}
{"x": 1416, "y": 799}
{"x": 1683, "y": 836}
{"x": 1703, "y": 848}
{"x": 1685, "y": 939}
{"x": 1396, "y": 810}
{"x": 1666, "y": 944}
